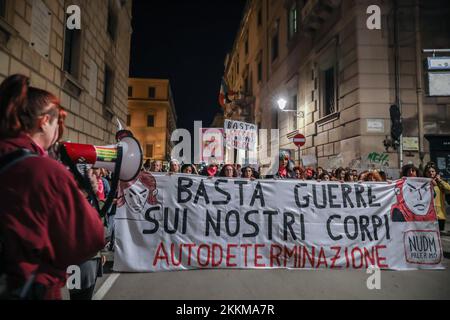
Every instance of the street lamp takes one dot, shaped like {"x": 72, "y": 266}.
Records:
{"x": 282, "y": 104}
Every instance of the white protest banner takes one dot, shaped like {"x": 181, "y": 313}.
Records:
{"x": 240, "y": 135}
{"x": 178, "y": 222}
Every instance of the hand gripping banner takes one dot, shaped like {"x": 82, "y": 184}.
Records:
{"x": 179, "y": 222}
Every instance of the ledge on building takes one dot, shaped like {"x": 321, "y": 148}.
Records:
{"x": 290, "y": 135}
{"x": 6, "y": 32}
{"x": 328, "y": 118}
{"x": 70, "y": 85}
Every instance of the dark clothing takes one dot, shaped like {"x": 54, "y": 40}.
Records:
{"x": 441, "y": 224}
{"x": 82, "y": 294}
{"x": 45, "y": 221}
{"x": 106, "y": 187}
{"x": 89, "y": 272}
{"x": 288, "y": 174}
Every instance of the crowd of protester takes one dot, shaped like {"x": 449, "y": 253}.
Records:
{"x": 287, "y": 170}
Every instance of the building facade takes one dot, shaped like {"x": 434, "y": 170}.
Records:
{"x": 151, "y": 116}
{"x": 86, "y": 68}
{"x": 340, "y": 78}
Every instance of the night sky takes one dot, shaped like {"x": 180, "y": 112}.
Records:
{"x": 185, "y": 41}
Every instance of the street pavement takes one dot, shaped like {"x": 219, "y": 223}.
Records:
{"x": 275, "y": 284}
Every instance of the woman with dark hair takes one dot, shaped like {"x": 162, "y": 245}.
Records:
{"x": 373, "y": 176}
{"x": 348, "y": 176}
{"x": 319, "y": 171}
{"x": 325, "y": 176}
{"x": 46, "y": 223}
{"x": 248, "y": 173}
{"x": 383, "y": 175}
{"x": 188, "y": 169}
{"x": 441, "y": 188}
{"x": 228, "y": 171}
{"x": 341, "y": 174}
{"x": 410, "y": 171}
{"x": 299, "y": 173}
{"x": 362, "y": 176}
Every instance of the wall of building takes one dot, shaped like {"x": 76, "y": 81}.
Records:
{"x": 88, "y": 120}
{"x": 161, "y": 106}
{"x": 364, "y": 76}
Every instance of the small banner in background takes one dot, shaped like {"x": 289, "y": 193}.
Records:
{"x": 240, "y": 135}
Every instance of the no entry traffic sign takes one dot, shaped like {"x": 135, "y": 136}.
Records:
{"x": 299, "y": 140}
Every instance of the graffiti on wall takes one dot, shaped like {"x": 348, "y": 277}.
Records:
{"x": 381, "y": 159}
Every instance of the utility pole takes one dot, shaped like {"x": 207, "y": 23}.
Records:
{"x": 398, "y": 101}
{"x": 419, "y": 81}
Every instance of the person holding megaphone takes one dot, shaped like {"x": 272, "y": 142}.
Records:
{"x": 46, "y": 224}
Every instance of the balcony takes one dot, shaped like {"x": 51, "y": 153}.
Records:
{"x": 315, "y": 12}
{"x": 240, "y": 107}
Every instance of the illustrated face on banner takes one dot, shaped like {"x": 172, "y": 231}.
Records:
{"x": 136, "y": 197}
{"x": 417, "y": 196}
{"x": 137, "y": 193}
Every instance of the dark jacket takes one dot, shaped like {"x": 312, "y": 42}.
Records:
{"x": 45, "y": 221}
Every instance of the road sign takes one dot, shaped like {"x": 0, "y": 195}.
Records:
{"x": 299, "y": 140}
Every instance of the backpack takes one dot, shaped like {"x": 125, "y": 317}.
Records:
{"x": 28, "y": 290}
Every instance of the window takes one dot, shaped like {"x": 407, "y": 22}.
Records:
{"x": 248, "y": 88}
{"x": 2, "y": 8}
{"x": 274, "y": 47}
{"x": 326, "y": 68}
{"x": 72, "y": 44}
{"x": 260, "y": 71}
{"x": 128, "y": 120}
{"x": 246, "y": 44}
{"x": 294, "y": 107}
{"x": 150, "y": 121}
{"x": 329, "y": 93}
{"x": 275, "y": 42}
{"x": 259, "y": 17}
{"x": 149, "y": 150}
{"x": 111, "y": 26}
{"x": 293, "y": 21}
{"x": 130, "y": 91}
{"x": 108, "y": 86}
{"x": 151, "y": 92}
